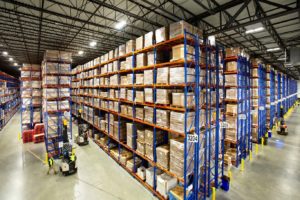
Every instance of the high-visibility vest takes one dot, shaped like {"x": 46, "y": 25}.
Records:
{"x": 50, "y": 162}
{"x": 72, "y": 157}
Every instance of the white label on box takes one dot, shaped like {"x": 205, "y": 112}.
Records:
{"x": 192, "y": 138}
{"x": 253, "y": 112}
{"x": 268, "y": 106}
{"x": 60, "y": 144}
{"x": 261, "y": 108}
{"x": 243, "y": 116}
{"x": 223, "y": 125}
{"x": 273, "y": 103}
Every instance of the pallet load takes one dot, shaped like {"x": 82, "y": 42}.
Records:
{"x": 56, "y": 83}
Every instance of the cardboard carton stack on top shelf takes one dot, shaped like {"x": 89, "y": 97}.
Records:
{"x": 268, "y": 95}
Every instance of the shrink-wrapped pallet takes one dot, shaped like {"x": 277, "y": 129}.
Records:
{"x": 150, "y": 175}
{"x": 148, "y": 114}
{"x": 234, "y": 52}
{"x": 148, "y": 95}
{"x": 165, "y": 183}
{"x": 232, "y": 94}
{"x": 140, "y": 147}
{"x": 161, "y": 34}
{"x": 131, "y": 135}
{"x": 130, "y": 95}
{"x": 163, "y": 118}
{"x": 116, "y": 52}
{"x": 163, "y": 96}
{"x": 231, "y": 108}
{"x": 231, "y": 66}
{"x": 141, "y": 173}
{"x": 139, "y": 79}
{"x": 110, "y": 67}
{"x": 131, "y": 163}
{"x": 124, "y": 109}
{"x": 120, "y": 130}
{"x": 149, "y": 151}
{"x": 163, "y": 75}
{"x": 130, "y": 46}
{"x": 110, "y": 54}
{"x": 231, "y": 80}
{"x": 139, "y": 113}
{"x": 114, "y": 80}
{"x": 231, "y": 134}
{"x": 130, "y": 78}
{"x": 129, "y": 111}
{"x": 122, "y": 50}
{"x": 255, "y": 82}
{"x": 125, "y": 155}
{"x": 122, "y": 65}
{"x": 178, "y": 99}
{"x": 141, "y": 60}
{"x": 177, "y": 75}
{"x": 232, "y": 122}
{"x": 123, "y": 93}
{"x": 254, "y": 92}
{"x": 116, "y": 66}
{"x": 54, "y": 55}
{"x": 124, "y": 80}
{"x": 177, "y": 157}
{"x": 255, "y": 72}
{"x": 178, "y": 52}
{"x": 149, "y": 136}
{"x": 148, "y": 39}
{"x": 139, "y": 96}
{"x": 139, "y": 43}
{"x": 148, "y": 74}
{"x": 129, "y": 64}
{"x": 163, "y": 156}
{"x": 177, "y": 120}
{"x": 177, "y": 29}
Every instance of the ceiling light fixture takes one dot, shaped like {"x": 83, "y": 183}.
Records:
{"x": 120, "y": 24}
{"x": 255, "y": 30}
{"x": 10, "y": 59}
{"x": 281, "y": 59}
{"x": 80, "y": 52}
{"x": 15, "y": 64}
{"x": 273, "y": 49}
{"x": 5, "y": 53}
{"x": 93, "y": 43}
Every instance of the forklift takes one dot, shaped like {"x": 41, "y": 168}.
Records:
{"x": 282, "y": 128}
{"x": 82, "y": 137}
{"x": 68, "y": 163}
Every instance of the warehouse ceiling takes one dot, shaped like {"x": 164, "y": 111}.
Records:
{"x": 29, "y": 27}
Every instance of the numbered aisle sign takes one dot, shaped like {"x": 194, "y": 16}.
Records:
{"x": 193, "y": 138}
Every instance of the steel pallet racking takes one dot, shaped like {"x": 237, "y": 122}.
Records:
{"x": 56, "y": 72}
{"x": 9, "y": 98}
{"x": 238, "y": 109}
{"x": 103, "y": 103}
{"x": 272, "y": 94}
{"x": 31, "y": 106}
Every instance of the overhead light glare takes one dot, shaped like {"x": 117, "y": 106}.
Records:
{"x": 15, "y": 64}
{"x": 5, "y": 53}
{"x": 255, "y": 30}
{"x": 80, "y": 52}
{"x": 273, "y": 49}
{"x": 281, "y": 59}
{"x": 93, "y": 43}
{"x": 120, "y": 24}
{"x": 10, "y": 59}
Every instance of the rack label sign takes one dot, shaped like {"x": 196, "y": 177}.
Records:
{"x": 192, "y": 138}
{"x": 267, "y": 106}
{"x": 60, "y": 144}
{"x": 253, "y": 112}
{"x": 261, "y": 108}
{"x": 223, "y": 125}
{"x": 243, "y": 116}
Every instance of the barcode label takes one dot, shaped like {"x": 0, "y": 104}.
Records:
{"x": 243, "y": 116}
{"x": 261, "y": 108}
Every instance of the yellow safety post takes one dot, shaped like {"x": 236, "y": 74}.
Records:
{"x": 73, "y": 150}
{"x": 46, "y": 158}
{"x": 256, "y": 149}
{"x": 266, "y": 135}
{"x": 250, "y": 155}
{"x": 242, "y": 164}
{"x": 19, "y": 136}
{"x": 262, "y": 142}
{"x": 213, "y": 195}
{"x": 65, "y": 122}
{"x": 230, "y": 177}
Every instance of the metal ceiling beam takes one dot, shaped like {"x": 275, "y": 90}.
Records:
{"x": 275, "y": 4}
{"x": 258, "y": 20}
{"x": 40, "y": 26}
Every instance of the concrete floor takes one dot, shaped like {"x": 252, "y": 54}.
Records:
{"x": 272, "y": 174}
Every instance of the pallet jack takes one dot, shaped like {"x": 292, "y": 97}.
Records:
{"x": 82, "y": 137}
{"x": 282, "y": 128}
{"x": 68, "y": 164}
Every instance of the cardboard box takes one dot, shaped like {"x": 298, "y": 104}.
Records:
{"x": 131, "y": 162}
{"x": 161, "y": 56}
{"x": 178, "y": 99}
{"x": 148, "y": 114}
{"x": 178, "y": 52}
{"x": 163, "y": 156}
{"x": 139, "y": 43}
{"x": 177, "y": 28}
{"x": 163, "y": 96}
{"x": 161, "y": 34}
{"x": 110, "y": 54}
{"x": 148, "y": 39}
{"x": 165, "y": 183}
{"x": 163, "y": 75}
{"x": 139, "y": 96}
{"x": 163, "y": 118}
{"x": 139, "y": 113}
{"x": 141, "y": 60}
{"x": 177, "y": 121}
{"x": 140, "y": 147}
{"x": 149, "y": 75}
{"x": 177, "y": 75}
{"x": 122, "y": 50}
{"x": 234, "y": 52}
{"x": 231, "y": 66}
{"x": 231, "y": 80}
{"x": 130, "y": 46}
{"x": 139, "y": 79}
{"x": 232, "y": 93}
{"x": 141, "y": 172}
{"x": 150, "y": 175}
{"x": 148, "y": 95}
{"x": 231, "y": 108}
{"x": 149, "y": 151}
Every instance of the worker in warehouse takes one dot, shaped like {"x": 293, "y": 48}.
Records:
{"x": 51, "y": 165}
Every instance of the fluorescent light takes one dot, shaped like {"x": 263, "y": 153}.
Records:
{"x": 15, "y": 64}
{"x": 93, "y": 43}
{"x": 10, "y": 59}
{"x": 255, "y": 30}
{"x": 80, "y": 52}
{"x": 5, "y": 53}
{"x": 274, "y": 49}
{"x": 120, "y": 24}
{"x": 281, "y": 59}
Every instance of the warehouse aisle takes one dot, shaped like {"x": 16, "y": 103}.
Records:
{"x": 23, "y": 175}
{"x": 274, "y": 174}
